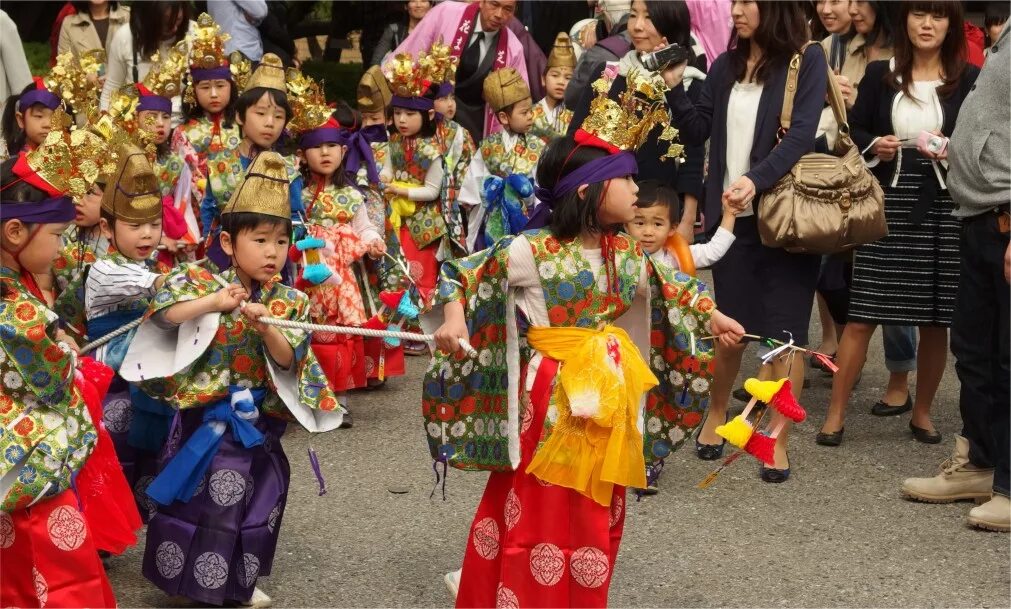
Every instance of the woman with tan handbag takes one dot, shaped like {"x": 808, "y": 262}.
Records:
{"x": 768, "y": 289}
{"x": 905, "y": 109}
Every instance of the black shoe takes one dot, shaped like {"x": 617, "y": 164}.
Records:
{"x": 829, "y": 439}
{"x": 773, "y": 475}
{"x": 922, "y": 435}
{"x": 883, "y": 409}
{"x": 708, "y": 452}
{"x": 741, "y": 395}
{"x": 348, "y": 422}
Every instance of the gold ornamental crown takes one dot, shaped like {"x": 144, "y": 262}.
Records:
{"x": 269, "y": 74}
{"x": 410, "y": 78}
{"x": 373, "y": 94}
{"x": 75, "y": 80}
{"x": 70, "y": 160}
{"x": 164, "y": 79}
{"x": 503, "y": 88}
{"x": 627, "y": 122}
{"x": 562, "y": 55}
{"x": 264, "y": 189}
{"x": 207, "y": 44}
{"x": 241, "y": 69}
{"x": 309, "y": 109}
{"x": 444, "y": 64}
{"x": 132, "y": 194}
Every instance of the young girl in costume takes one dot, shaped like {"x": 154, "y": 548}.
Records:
{"x": 27, "y": 117}
{"x": 48, "y": 550}
{"x": 498, "y": 189}
{"x": 551, "y": 117}
{"x": 262, "y": 111}
{"x": 457, "y": 146}
{"x": 559, "y": 410}
{"x": 236, "y": 381}
{"x": 83, "y": 243}
{"x": 339, "y": 234}
{"x": 414, "y": 172}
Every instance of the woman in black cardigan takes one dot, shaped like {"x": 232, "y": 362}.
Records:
{"x": 910, "y": 277}
{"x": 768, "y": 289}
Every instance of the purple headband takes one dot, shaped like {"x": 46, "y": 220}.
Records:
{"x": 445, "y": 89}
{"x": 55, "y": 210}
{"x": 155, "y": 103}
{"x": 421, "y": 104}
{"x": 320, "y": 136}
{"x": 218, "y": 73}
{"x": 38, "y": 96}
{"x": 359, "y": 145}
{"x": 612, "y": 166}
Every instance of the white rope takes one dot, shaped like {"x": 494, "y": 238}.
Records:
{"x": 369, "y": 332}
{"x": 111, "y": 335}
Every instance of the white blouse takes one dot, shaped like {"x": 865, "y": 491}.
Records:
{"x": 916, "y": 112}
{"x": 742, "y": 113}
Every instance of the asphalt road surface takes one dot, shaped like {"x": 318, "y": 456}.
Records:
{"x": 837, "y": 534}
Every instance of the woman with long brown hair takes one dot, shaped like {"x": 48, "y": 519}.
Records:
{"x": 767, "y": 289}
{"x": 905, "y": 110}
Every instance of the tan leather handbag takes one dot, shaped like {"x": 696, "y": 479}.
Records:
{"x": 828, "y": 203}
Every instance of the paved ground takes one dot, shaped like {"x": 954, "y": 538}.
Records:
{"x": 836, "y": 535}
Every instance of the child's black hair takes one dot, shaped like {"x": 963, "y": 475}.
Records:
{"x": 348, "y": 118}
{"x": 428, "y": 123}
{"x": 14, "y": 136}
{"x": 996, "y": 13}
{"x": 509, "y": 109}
{"x": 239, "y": 222}
{"x": 194, "y": 111}
{"x": 18, "y": 191}
{"x": 250, "y": 97}
{"x": 571, "y": 215}
{"x": 652, "y": 193}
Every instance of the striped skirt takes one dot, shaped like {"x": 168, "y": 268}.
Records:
{"x": 910, "y": 277}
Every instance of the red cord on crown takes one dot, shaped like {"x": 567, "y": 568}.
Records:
{"x": 585, "y": 138}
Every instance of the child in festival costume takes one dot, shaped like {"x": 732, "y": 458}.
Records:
{"x": 551, "y": 117}
{"x": 27, "y": 117}
{"x": 262, "y": 112}
{"x": 373, "y": 98}
{"x": 236, "y": 381}
{"x": 655, "y": 226}
{"x": 414, "y": 172}
{"x": 558, "y": 427}
{"x": 210, "y": 94}
{"x": 498, "y": 190}
{"x": 83, "y": 243}
{"x": 117, "y": 290}
{"x": 48, "y": 549}
{"x": 339, "y": 233}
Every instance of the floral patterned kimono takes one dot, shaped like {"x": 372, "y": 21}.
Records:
{"x": 498, "y": 188}
{"x": 220, "y": 501}
{"x": 339, "y": 217}
{"x": 47, "y": 546}
{"x": 209, "y": 139}
{"x": 458, "y": 149}
{"x": 412, "y": 163}
{"x": 548, "y": 123}
{"x": 180, "y": 218}
{"x": 550, "y": 538}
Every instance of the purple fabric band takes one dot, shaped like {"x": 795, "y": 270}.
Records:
{"x": 38, "y": 96}
{"x": 55, "y": 210}
{"x": 318, "y": 137}
{"x": 359, "y": 145}
{"x": 155, "y": 103}
{"x": 218, "y": 73}
{"x": 421, "y": 104}
{"x": 445, "y": 89}
{"x": 612, "y": 166}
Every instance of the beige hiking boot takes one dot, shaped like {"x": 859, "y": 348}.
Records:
{"x": 959, "y": 480}
{"x": 994, "y": 515}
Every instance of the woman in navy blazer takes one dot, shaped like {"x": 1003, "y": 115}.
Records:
{"x": 767, "y": 289}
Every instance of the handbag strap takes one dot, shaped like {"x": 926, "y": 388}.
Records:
{"x": 835, "y": 98}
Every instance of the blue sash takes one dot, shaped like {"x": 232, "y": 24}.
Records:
{"x": 115, "y": 350}
{"x": 179, "y": 478}
{"x": 501, "y": 197}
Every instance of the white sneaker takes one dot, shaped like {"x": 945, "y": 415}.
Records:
{"x": 259, "y": 600}
{"x": 452, "y": 580}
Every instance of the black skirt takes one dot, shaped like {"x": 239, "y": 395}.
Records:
{"x": 910, "y": 277}
{"x": 768, "y": 290}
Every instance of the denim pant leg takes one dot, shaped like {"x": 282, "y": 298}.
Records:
{"x": 980, "y": 343}
{"x": 900, "y": 348}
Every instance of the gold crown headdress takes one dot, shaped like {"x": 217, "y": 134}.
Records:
{"x": 504, "y": 88}
{"x": 373, "y": 94}
{"x": 444, "y": 62}
{"x": 69, "y": 160}
{"x": 132, "y": 193}
{"x": 309, "y": 109}
{"x": 626, "y": 123}
{"x": 241, "y": 69}
{"x": 410, "y": 78}
{"x": 264, "y": 189}
{"x": 269, "y": 74}
{"x": 562, "y": 55}
{"x": 164, "y": 79}
{"x": 207, "y": 44}
{"x": 75, "y": 80}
